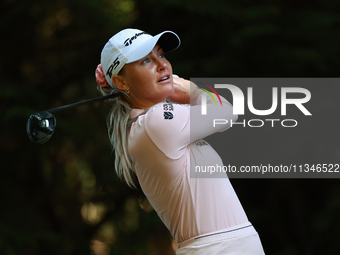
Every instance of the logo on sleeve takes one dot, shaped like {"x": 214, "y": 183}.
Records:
{"x": 168, "y": 108}
{"x": 168, "y": 116}
{"x": 201, "y": 143}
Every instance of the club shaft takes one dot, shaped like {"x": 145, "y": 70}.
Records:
{"x": 92, "y": 100}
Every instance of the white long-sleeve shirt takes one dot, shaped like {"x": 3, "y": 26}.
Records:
{"x": 165, "y": 145}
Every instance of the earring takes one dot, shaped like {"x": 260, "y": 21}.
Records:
{"x": 127, "y": 92}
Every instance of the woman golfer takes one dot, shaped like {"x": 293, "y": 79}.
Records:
{"x": 149, "y": 128}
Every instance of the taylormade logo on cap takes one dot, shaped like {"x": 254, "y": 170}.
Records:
{"x": 129, "y": 40}
{"x": 130, "y": 45}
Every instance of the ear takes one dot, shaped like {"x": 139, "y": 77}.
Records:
{"x": 119, "y": 82}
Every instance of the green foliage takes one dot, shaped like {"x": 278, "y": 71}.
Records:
{"x": 64, "y": 197}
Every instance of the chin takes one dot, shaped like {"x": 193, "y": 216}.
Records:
{"x": 168, "y": 90}
{"x": 169, "y": 94}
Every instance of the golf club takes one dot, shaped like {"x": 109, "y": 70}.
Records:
{"x": 40, "y": 125}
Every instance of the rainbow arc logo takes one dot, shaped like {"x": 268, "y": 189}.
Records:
{"x": 204, "y": 99}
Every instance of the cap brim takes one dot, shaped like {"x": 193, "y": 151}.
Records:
{"x": 168, "y": 40}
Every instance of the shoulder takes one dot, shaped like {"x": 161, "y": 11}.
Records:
{"x": 168, "y": 126}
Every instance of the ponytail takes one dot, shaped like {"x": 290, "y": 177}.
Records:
{"x": 117, "y": 125}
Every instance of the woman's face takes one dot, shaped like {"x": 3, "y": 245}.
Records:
{"x": 149, "y": 79}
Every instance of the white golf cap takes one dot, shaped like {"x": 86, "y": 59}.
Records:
{"x": 130, "y": 45}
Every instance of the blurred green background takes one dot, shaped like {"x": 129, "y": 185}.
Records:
{"x": 64, "y": 197}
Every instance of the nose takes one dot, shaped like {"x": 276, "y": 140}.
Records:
{"x": 161, "y": 64}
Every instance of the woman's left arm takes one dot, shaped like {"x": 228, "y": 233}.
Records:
{"x": 174, "y": 126}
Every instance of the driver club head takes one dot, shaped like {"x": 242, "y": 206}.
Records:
{"x": 40, "y": 127}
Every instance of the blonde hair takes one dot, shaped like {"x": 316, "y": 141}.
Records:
{"x": 117, "y": 125}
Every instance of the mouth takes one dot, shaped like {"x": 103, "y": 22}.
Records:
{"x": 165, "y": 78}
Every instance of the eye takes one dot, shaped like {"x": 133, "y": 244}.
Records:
{"x": 161, "y": 55}
{"x": 145, "y": 61}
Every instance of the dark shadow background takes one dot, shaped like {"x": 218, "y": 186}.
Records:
{"x": 64, "y": 197}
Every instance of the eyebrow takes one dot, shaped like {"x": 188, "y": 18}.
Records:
{"x": 158, "y": 48}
